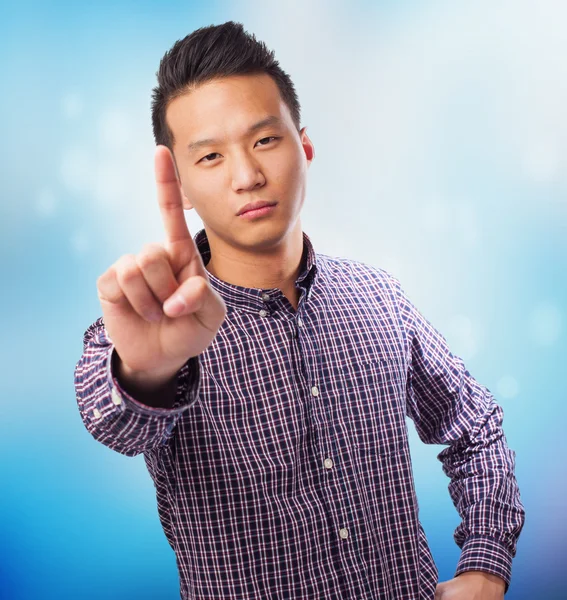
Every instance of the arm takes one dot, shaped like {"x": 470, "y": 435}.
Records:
{"x": 135, "y": 377}
{"x": 111, "y": 415}
{"x": 448, "y": 406}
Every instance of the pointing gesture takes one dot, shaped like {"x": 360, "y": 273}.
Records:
{"x": 158, "y": 306}
{"x": 179, "y": 245}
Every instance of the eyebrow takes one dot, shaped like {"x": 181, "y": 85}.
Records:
{"x": 271, "y": 120}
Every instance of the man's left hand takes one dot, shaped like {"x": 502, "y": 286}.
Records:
{"x": 472, "y": 585}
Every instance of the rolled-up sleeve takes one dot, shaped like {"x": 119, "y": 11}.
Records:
{"x": 110, "y": 414}
{"x": 448, "y": 406}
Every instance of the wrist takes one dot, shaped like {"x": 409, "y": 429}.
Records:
{"x": 488, "y": 577}
{"x": 146, "y": 380}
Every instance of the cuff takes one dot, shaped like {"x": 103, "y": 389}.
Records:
{"x": 484, "y": 553}
{"x": 186, "y": 394}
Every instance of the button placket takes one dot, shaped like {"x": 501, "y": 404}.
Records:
{"x": 116, "y": 398}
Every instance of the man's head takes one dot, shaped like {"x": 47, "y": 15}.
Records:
{"x": 231, "y": 118}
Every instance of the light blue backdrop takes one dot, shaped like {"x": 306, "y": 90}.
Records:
{"x": 441, "y": 155}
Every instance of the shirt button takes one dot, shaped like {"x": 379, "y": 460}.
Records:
{"x": 265, "y": 297}
{"x": 343, "y": 533}
{"x": 263, "y": 313}
{"x": 299, "y": 322}
{"x": 314, "y": 390}
{"x": 116, "y": 398}
{"x": 96, "y": 413}
{"x": 328, "y": 463}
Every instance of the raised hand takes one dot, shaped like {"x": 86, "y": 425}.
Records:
{"x": 158, "y": 306}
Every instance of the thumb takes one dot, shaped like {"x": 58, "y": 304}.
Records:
{"x": 195, "y": 295}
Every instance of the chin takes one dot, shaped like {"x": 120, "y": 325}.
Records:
{"x": 264, "y": 235}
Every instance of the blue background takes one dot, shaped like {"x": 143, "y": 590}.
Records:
{"x": 441, "y": 155}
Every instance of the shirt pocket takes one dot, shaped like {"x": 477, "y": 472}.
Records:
{"x": 372, "y": 403}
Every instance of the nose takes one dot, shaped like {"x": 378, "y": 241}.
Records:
{"x": 246, "y": 173}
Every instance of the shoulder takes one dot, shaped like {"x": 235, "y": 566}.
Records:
{"x": 347, "y": 271}
{"x": 370, "y": 291}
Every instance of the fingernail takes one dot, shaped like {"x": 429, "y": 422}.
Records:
{"x": 174, "y": 306}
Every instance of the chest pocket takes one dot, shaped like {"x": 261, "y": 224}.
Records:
{"x": 371, "y": 403}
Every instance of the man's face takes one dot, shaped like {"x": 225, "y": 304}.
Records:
{"x": 236, "y": 164}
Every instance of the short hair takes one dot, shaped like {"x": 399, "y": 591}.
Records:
{"x": 211, "y": 53}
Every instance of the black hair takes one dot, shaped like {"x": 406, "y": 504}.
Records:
{"x": 211, "y": 53}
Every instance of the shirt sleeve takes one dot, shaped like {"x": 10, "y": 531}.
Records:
{"x": 110, "y": 414}
{"x": 448, "y": 406}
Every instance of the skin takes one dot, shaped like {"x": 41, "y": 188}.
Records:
{"x": 472, "y": 585}
{"x": 219, "y": 178}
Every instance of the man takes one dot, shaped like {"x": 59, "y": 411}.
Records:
{"x": 267, "y": 385}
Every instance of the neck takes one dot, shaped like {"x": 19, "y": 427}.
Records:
{"x": 275, "y": 267}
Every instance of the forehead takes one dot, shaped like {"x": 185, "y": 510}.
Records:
{"x": 223, "y": 107}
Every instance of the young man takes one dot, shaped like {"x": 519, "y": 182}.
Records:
{"x": 267, "y": 385}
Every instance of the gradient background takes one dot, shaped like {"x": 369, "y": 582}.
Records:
{"x": 441, "y": 152}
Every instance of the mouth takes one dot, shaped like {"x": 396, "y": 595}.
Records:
{"x": 258, "y": 207}
{"x": 258, "y": 212}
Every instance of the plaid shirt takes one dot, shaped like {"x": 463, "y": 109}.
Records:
{"x": 283, "y": 468}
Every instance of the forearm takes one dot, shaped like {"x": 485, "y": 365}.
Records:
{"x": 486, "y": 495}
{"x": 114, "y": 417}
{"x": 155, "y": 392}
{"x": 448, "y": 406}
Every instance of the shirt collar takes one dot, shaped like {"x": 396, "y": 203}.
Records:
{"x": 255, "y": 298}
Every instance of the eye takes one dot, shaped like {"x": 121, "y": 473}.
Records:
{"x": 272, "y": 137}
{"x": 211, "y": 154}
{"x": 208, "y": 158}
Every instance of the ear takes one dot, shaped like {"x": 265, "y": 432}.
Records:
{"x": 186, "y": 204}
{"x": 308, "y": 146}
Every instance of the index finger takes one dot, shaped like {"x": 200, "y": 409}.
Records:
{"x": 169, "y": 197}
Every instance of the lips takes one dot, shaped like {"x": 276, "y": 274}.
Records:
{"x": 254, "y": 206}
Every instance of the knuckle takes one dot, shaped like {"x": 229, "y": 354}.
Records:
{"x": 146, "y": 260}
{"x": 123, "y": 261}
{"x": 129, "y": 275}
{"x": 201, "y": 285}
{"x": 201, "y": 282}
{"x": 101, "y": 286}
{"x": 105, "y": 279}
{"x": 101, "y": 280}
{"x": 108, "y": 287}
{"x": 127, "y": 269}
{"x": 150, "y": 255}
